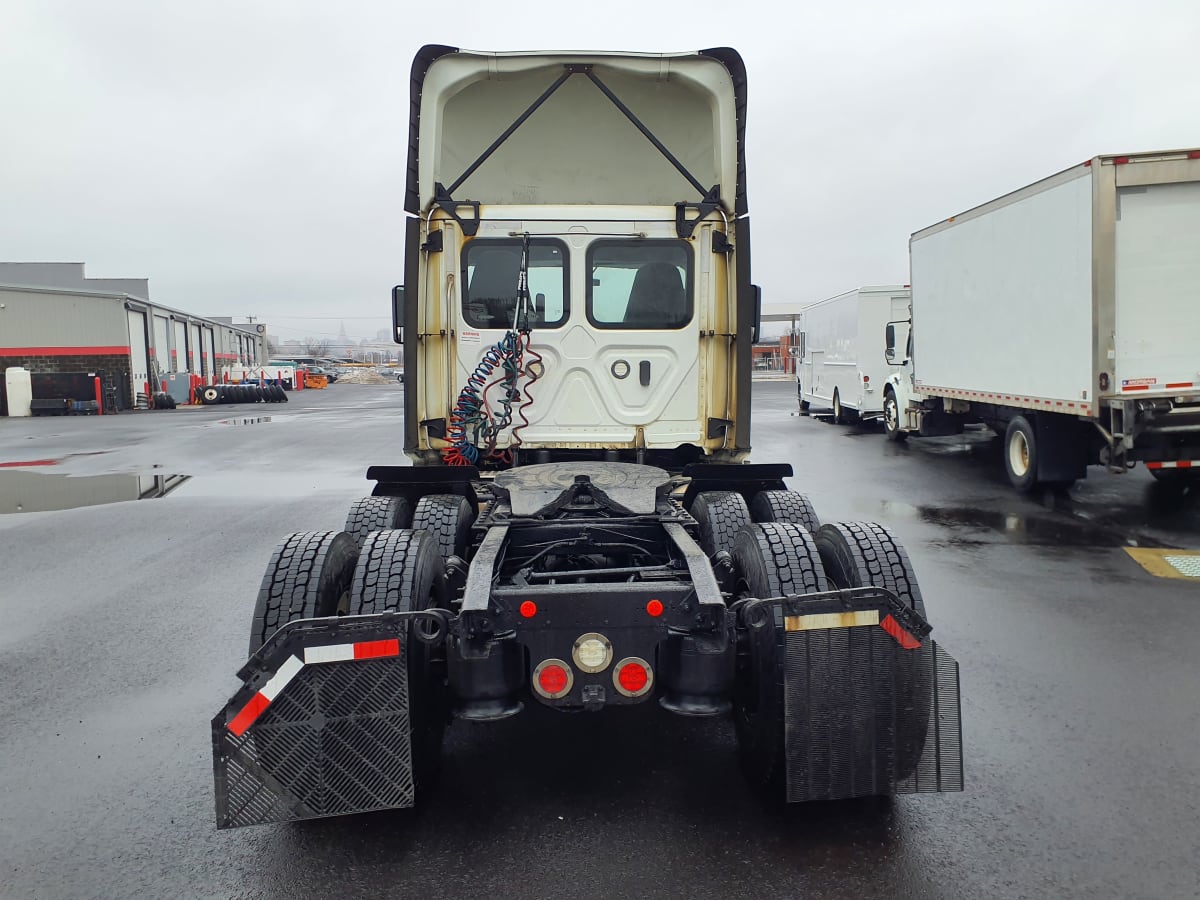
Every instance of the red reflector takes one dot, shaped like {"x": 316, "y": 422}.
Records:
{"x": 903, "y": 638}
{"x": 866, "y": 379}
{"x": 1184, "y": 464}
{"x": 1194, "y": 154}
{"x": 1088, "y": 163}
{"x": 1120, "y": 160}
{"x": 655, "y": 608}
{"x": 552, "y": 679}
{"x": 249, "y": 713}
{"x": 377, "y": 649}
{"x": 632, "y": 677}
{"x": 528, "y": 609}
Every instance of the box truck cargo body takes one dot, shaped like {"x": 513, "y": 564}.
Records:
{"x": 842, "y": 365}
{"x": 1067, "y": 316}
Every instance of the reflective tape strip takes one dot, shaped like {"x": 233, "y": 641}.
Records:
{"x": 249, "y": 713}
{"x": 331, "y": 653}
{"x": 350, "y": 652}
{"x": 269, "y": 691}
{"x": 280, "y": 679}
{"x": 831, "y": 620}
{"x": 903, "y": 638}
{"x": 377, "y": 649}
{"x": 1178, "y": 385}
{"x": 1177, "y": 464}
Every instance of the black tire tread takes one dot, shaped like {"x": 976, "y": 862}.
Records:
{"x": 448, "y": 518}
{"x": 877, "y": 556}
{"x": 307, "y": 573}
{"x": 784, "y": 506}
{"x": 375, "y": 514}
{"x": 721, "y": 515}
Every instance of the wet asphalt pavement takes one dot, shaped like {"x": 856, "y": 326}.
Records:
{"x": 124, "y": 623}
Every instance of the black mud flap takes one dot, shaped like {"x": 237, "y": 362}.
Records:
{"x": 320, "y": 727}
{"x": 871, "y": 703}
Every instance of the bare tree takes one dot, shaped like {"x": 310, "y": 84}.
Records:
{"x": 317, "y": 346}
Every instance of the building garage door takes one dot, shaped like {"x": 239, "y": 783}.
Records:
{"x": 139, "y": 356}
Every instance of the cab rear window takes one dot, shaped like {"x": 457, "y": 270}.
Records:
{"x": 640, "y": 284}
{"x": 490, "y": 270}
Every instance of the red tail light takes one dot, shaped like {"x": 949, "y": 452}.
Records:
{"x": 553, "y": 678}
{"x": 633, "y": 677}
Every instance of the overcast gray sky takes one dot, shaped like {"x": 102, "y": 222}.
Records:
{"x": 248, "y": 157}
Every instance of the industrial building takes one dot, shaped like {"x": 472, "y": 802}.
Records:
{"x": 54, "y": 320}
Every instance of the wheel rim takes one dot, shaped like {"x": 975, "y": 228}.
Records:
{"x": 1018, "y": 453}
{"x": 837, "y": 406}
{"x": 891, "y": 418}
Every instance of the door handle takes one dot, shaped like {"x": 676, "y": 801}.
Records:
{"x": 644, "y": 372}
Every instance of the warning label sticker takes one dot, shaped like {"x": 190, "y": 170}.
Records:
{"x": 1138, "y": 382}
{"x": 468, "y": 337}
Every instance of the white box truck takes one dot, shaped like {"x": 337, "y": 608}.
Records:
{"x": 842, "y": 366}
{"x": 1065, "y": 315}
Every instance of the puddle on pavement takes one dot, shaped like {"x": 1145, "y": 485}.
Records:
{"x": 245, "y": 420}
{"x": 24, "y": 492}
{"x": 973, "y": 525}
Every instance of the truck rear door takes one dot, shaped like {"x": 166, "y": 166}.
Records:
{"x": 1158, "y": 288}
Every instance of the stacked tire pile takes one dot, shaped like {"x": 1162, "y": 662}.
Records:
{"x": 240, "y": 393}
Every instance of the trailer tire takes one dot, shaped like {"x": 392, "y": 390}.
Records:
{"x": 721, "y": 515}
{"x": 891, "y": 418}
{"x": 400, "y": 570}
{"x": 372, "y": 514}
{"x": 838, "y": 412}
{"x": 448, "y": 517}
{"x": 308, "y": 577}
{"x": 1021, "y": 454}
{"x": 771, "y": 559}
{"x": 862, "y": 554}
{"x": 784, "y": 506}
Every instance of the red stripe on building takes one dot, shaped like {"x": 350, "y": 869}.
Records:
{"x": 63, "y": 351}
{"x": 249, "y": 713}
{"x": 376, "y": 649}
{"x": 903, "y": 638}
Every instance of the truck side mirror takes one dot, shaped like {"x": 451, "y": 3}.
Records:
{"x": 755, "y": 326}
{"x": 398, "y": 314}
{"x": 889, "y": 351}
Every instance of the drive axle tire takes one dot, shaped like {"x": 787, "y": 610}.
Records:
{"x": 771, "y": 559}
{"x": 838, "y": 412}
{"x": 721, "y": 515}
{"x": 308, "y": 577}
{"x": 376, "y": 514}
{"x": 401, "y": 571}
{"x": 863, "y": 554}
{"x": 784, "y": 506}
{"x": 891, "y": 418}
{"x": 448, "y": 517}
{"x": 1021, "y": 454}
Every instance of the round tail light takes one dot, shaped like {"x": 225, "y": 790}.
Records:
{"x": 633, "y": 677}
{"x": 553, "y": 678}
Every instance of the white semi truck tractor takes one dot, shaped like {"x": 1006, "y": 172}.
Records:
{"x": 1066, "y": 316}
{"x": 579, "y": 526}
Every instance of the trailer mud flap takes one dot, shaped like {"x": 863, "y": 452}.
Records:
{"x": 320, "y": 727}
{"x": 871, "y": 703}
